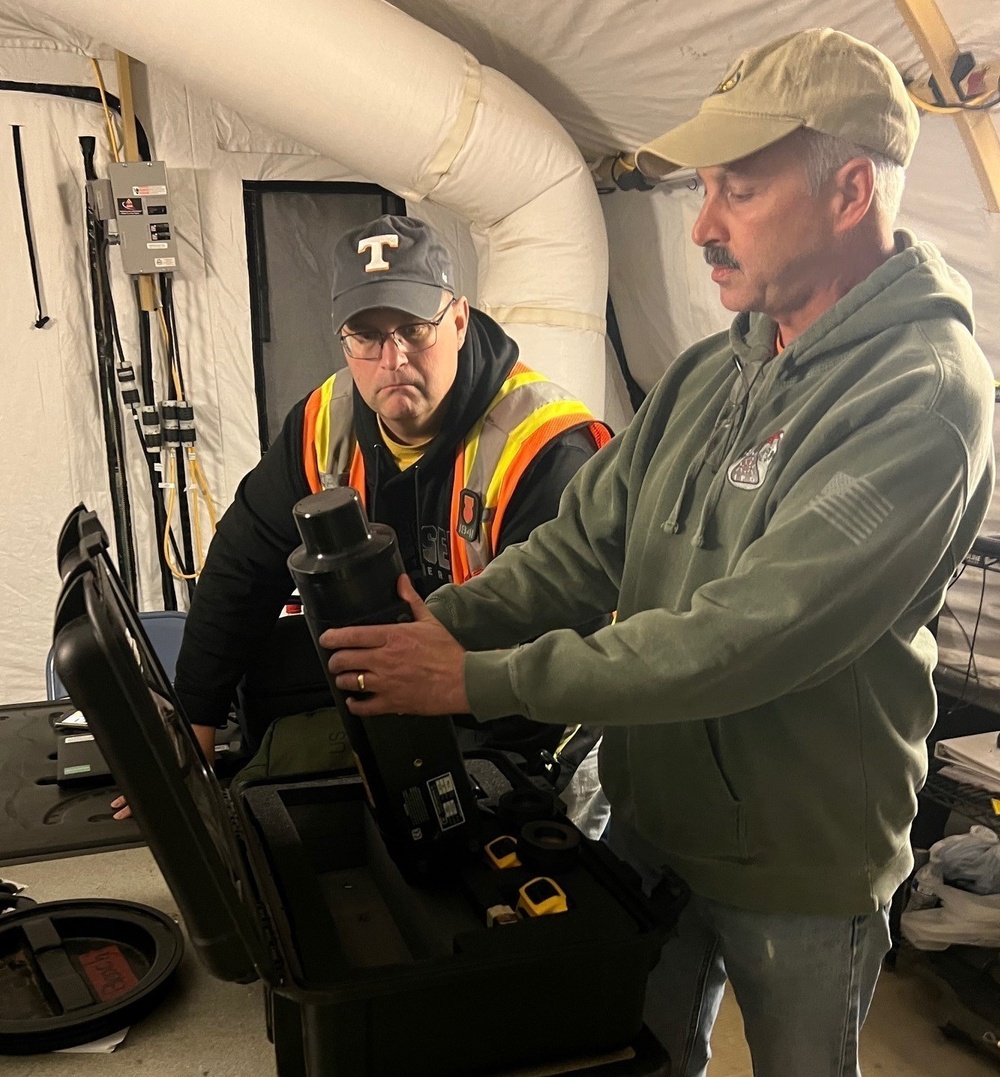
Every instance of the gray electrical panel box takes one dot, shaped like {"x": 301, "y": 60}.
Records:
{"x": 143, "y": 210}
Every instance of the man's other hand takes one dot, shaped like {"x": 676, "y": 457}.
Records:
{"x": 414, "y": 668}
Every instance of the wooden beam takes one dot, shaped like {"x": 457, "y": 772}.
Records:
{"x": 147, "y": 289}
{"x": 123, "y": 63}
{"x": 937, "y": 43}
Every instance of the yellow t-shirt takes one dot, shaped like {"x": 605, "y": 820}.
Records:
{"x": 404, "y": 455}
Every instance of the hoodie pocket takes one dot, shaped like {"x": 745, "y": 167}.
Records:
{"x": 685, "y": 803}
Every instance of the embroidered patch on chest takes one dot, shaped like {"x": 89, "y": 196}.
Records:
{"x": 750, "y": 471}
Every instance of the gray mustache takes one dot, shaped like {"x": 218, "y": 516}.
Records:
{"x": 719, "y": 256}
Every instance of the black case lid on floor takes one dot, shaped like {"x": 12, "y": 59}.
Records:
{"x": 76, "y": 971}
{"x": 112, "y": 673}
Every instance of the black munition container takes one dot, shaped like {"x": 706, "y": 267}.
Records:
{"x": 346, "y": 571}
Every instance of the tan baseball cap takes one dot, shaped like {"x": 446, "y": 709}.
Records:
{"x": 822, "y": 79}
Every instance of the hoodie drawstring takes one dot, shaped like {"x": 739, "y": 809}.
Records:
{"x": 416, "y": 514}
{"x": 672, "y": 524}
{"x": 708, "y": 508}
{"x": 377, "y": 455}
{"x": 720, "y": 442}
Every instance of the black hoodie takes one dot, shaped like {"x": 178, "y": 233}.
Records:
{"x": 246, "y": 581}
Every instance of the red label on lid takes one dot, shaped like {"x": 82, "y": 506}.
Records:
{"x": 109, "y": 973}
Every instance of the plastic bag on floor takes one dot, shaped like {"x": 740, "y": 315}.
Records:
{"x": 970, "y": 861}
{"x": 940, "y": 914}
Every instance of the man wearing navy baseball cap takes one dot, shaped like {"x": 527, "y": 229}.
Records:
{"x": 401, "y": 423}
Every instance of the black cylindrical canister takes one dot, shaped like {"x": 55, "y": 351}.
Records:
{"x": 346, "y": 568}
{"x": 347, "y": 572}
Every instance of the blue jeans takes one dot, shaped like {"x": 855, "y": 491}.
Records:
{"x": 803, "y": 983}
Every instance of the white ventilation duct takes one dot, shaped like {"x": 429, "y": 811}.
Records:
{"x": 398, "y": 103}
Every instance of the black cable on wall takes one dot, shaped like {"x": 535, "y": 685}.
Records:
{"x": 636, "y": 393}
{"x": 108, "y": 389}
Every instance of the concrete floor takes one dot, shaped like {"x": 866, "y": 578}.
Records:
{"x": 206, "y": 1028}
{"x": 213, "y": 1029}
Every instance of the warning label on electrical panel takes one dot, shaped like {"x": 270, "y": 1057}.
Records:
{"x": 129, "y": 207}
{"x": 165, "y": 263}
{"x": 153, "y": 189}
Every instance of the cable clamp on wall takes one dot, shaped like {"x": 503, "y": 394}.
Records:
{"x": 171, "y": 429}
{"x": 152, "y": 432}
{"x": 126, "y": 382}
{"x": 185, "y": 423}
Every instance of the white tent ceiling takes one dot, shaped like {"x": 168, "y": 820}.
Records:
{"x": 613, "y": 74}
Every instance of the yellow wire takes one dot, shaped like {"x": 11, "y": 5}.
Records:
{"x": 200, "y": 486}
{"x": 199, "y": 561}
{"x": 203, "y": 486}
{"x": 112, "y": 137}
{"x": 165, "y": 333}
{"x": 171, "y": 502}
{"x": 973, "y": 104}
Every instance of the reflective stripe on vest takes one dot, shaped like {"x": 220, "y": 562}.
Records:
{"x": 328, "y": 442}
{"x": 527, "y": 412}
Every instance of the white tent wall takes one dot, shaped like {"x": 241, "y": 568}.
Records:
{"x": 51, "y": 438}
{"x": 613, "y": 74}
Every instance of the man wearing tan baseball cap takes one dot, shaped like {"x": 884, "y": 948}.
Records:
{"x": 821, "y": 79}
{"x": 775, "y": 529}
{"x": 768, "y": 144}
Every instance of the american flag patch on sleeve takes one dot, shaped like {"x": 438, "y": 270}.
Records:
{"x": 853, "y": 506}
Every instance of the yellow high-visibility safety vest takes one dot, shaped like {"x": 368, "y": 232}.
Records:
{"x": 527, "y": 412}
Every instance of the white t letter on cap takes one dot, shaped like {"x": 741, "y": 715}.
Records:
{"x": 377, "y": 264}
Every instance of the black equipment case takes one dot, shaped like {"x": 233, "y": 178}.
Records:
{"x": 366, "y": 972}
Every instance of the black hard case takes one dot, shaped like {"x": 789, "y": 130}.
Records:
{"x": 365, "y": 973}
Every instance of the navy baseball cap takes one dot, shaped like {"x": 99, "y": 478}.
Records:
{"x": 396, "y": 262}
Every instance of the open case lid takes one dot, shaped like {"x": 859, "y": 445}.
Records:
{"x": 113, "y": 675}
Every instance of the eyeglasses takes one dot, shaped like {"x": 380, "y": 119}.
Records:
{"x": 409, "y": 339}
